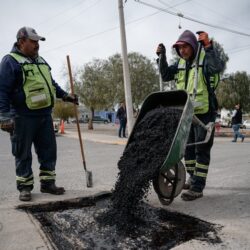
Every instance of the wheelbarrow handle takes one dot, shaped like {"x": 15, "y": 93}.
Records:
{"x": 209, "y": 128}
{"x": 198, "y": 122}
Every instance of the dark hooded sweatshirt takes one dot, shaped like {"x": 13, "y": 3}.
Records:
{"x": 212, "y": 62}
{"x": 12, "y": 97}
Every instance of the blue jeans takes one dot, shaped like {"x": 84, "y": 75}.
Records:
{"x": 122, "y": 129}
{"x": 236, "y": 129}
{"x": 37, "y": 130}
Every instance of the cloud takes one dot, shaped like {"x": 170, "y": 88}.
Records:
{"x": 68, "y": 25}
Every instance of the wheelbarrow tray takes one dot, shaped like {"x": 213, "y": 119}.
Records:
{"x": 175, "y": 99}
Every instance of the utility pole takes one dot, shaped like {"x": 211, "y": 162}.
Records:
{"x": 126, "y": 76}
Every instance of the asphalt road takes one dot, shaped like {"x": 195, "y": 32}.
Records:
{"x": 226, "y": 198}
{"x": 101, "y": 159}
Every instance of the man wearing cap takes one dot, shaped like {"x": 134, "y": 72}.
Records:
{"x": 208, "y": 67}
{"x": 27, "y": 96}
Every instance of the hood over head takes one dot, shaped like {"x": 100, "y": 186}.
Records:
{"x": 187, "y": 37}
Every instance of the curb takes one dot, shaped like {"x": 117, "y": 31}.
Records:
{"x": 98, "y": 138}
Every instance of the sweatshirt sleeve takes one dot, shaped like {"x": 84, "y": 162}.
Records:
{"x": 212, "y": 64}
{"x": 167, "y": 72}
{"x": 10, "y": 75}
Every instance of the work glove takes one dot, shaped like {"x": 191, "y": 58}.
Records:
{"x": 71, "y": 98}
{"x": 161, "y": 50}
{"x": 204, "y": 39}
{"x": 7, "y": 126}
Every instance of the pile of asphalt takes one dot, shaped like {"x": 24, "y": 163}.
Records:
{"x": 125, "y": 221}
{"x": 139, "y": 165}
{"x": 72, "y": 229}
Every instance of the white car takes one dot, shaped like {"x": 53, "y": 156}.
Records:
{"x": 246, "y": 124}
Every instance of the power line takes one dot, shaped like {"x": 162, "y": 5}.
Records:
{"x": 239, "y": 49}
{"x": 82, "y": 39}
{"x": 54, "y": 16}
{"x": 110, "y": 29}
{"x": 61, "y": 12}
{"x": 101, "y": 32}
{"x": 230, "y": 20}
{"x": 192, "y": 19}
{"x": 70, "y": 19}
{"x": 173, "y": 6}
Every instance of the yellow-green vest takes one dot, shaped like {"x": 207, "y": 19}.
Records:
{"x": 37, "y": 82}
{"x": 202, "y": 95}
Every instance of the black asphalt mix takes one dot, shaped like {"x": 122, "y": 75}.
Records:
{"x": 124, "y": 221}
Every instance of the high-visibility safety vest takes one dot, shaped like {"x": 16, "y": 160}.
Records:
{"x": 37, "y": 82}
{"x": 202, "y": 95}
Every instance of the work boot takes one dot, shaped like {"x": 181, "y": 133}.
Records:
{"x": 191, "y": 195}
{"x": 51, "y": 188}
{"x": 25, "y": 195}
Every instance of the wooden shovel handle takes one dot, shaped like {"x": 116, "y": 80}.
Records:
{"x": 76, "y": 112}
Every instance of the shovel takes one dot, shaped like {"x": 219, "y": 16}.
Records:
{"x": 89, "y": 177}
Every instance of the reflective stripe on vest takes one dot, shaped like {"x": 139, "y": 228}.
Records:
{"x": 202, "y": 91}
{"x": 37, "y": 82}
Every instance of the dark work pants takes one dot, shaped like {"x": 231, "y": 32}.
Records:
{"x": 197, "y": 158}
{"x": 37, "y": 130}
{"x": 122, "y": 129}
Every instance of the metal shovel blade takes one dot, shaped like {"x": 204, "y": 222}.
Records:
{"x": 89, "y": 179}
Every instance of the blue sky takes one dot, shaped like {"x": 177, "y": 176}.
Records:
{"x": 88, "y": 29}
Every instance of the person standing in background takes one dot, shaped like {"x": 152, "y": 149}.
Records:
{"x": 122, "y": 116}
{"x": 236, "y": 122}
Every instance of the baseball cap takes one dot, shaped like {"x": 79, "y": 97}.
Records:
{"x": 179, "y": 43}
{"x": 27, "y": 32}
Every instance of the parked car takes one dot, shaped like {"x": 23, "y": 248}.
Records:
{"x": 246, "y": 124}
{"x": 99, "y": 119}
{"x": 81, "y": 120}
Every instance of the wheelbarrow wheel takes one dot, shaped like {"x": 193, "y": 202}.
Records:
{"x": 169, "y": 183}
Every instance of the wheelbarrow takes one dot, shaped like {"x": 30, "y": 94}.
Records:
{"x": 172, "y": 174}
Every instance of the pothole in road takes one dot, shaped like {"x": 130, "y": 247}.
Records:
{"x": 77, "y": 225}
{"x": 124, "y": 221}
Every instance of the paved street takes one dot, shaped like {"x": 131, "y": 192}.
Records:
{"x": 226, "y": 198}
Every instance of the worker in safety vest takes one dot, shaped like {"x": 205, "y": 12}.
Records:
{"x": 27, "y": 96}
{"x": 208, "y": 67}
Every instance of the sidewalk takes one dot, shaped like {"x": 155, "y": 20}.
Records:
{"x": 20, "y": 231}
{"x": 99, "y": 138}
{"x": 227, "y": 132}
{"x": 108, "y": 133}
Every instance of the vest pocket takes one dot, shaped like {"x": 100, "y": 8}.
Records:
{"x": 37, "y": 98}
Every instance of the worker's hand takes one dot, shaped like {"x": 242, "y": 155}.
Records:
{"x": 7, "y": 125}
{"x": 71, "y": 98}
{"x": 204, "y": 39}
{"x": 161, "y": 50}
